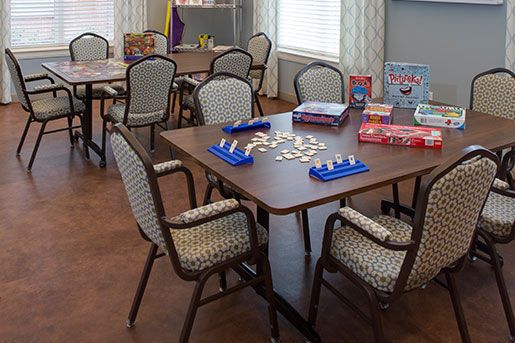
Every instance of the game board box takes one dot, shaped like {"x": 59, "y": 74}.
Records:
{"x": 360, "y": 90}
{"x": 377, "y": 114}
{"x": 406, "y": 85}
{"x": 320, "y": 113}
{"x": 137, "y": 45}
{"x": 413, "y": 136}
{"x": 440, "y": 116}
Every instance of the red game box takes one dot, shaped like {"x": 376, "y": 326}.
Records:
{"x": 415, "y": 136}
{"x": 360, "y": 90}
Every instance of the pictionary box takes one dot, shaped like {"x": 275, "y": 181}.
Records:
{"x": 406, "y": 85}
{"x": 440, "y": 116}
{"x": 413, "y": 136}
{"x": 377, "y": 114}
{"x": 320, "y": 113}
{"x": 137, "y": 45}
{"x": 360, "y": 90}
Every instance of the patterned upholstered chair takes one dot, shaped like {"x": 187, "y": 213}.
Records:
{"x": 147, "y": 102}
{"x": 91, "y": 47}
{"x": 319, "y": 81}
{"x": 199, "y": 242}
{"x": 493, "y": 92}
{"x": 497, "y": 226}
{"x": 43, "y": 110}
{"x": 259, "y": 46}
{"x": 387, "y": 257}
{"x": 235, "y": 61}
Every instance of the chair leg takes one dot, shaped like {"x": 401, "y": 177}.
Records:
{"x": 36, "y": 147}
{"x": 375, "y": 316}
{"x": 343, "y": 203}
{"x": 192, "y": 311}
{"x": 501, "y": 284}
{"x": 142, "y": 285}
{"x": 70, "y": 131}
{"x": 104, "y": 134}
{"x": 458, "y": 309}
{"x": 152, "y": 137}
{"x": 174, "y": 98}
{"x": 258, "y": 103}
{"x": 305, "y": 230}
{"x": 396, "y": 201}
{"x": 179, "y": 117}
{"x": 172, "y": 152}
{"x": 222, "y": 278}
{"x": 271, "y": 300}
{"x": 207, "y": 195}
{"x": 23, "y": 135}
{"x": 315, "y": 293}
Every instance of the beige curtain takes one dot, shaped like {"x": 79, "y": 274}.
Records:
{"x": 362, "y": 40}
{"x": 5, "y": 41}
{"x": 265, "y": 20}
{"x": 129, "y": 16}
{"x": 510, "y": 35}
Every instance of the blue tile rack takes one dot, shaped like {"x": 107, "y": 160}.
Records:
{"x": 340, "y": 170}
{"x": 235, "y": 159}
{"x": 246, "y": 126}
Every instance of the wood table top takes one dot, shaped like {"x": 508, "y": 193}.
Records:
{"x": 113, "y": 70}
{"x": 285, "y": 187}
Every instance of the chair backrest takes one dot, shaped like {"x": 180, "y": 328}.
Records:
{"x": 235, "y": 61}
{"x": 149, "y": 81}
{"x": 223, "y": 97}
{"x": 493, "y": 92}
{"x": 89, "y": 47}
{"x": 450, "y": 203}
{"x": 17, "y": 78}
{"x": 140, "y": 182}
{"x": 259, "y": 47}
{"x": 160, "y": 42}
{"x": 319, "y": 81}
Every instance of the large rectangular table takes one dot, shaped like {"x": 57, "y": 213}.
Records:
{"x": 284, "y": 187}
{"x": 88, "y": 73}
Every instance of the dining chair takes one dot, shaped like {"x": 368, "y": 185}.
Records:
{"x": 147, "y": 100}
{"x": 497, "y": 226}
{"x": 43, "y": 110}
{"x": 199, "y": 242}
{"x": 235, "y": 61}
{"x": 91, "y": 47}
{"x": 259, "y": 46}
{"x": 321, "y": 82}
{"x": 386, "y": 257}
{"x": 493, "y": 92}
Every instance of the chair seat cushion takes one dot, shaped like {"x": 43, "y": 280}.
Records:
{"x": 376, "y": 265}
{"x": 214, "y": 242}
{"x": 498, "y": 215}
{"x": 55, "y": 107}
{"x": 116, "y": 114}
{"x": 98, "y": 89}
{"x": 188, "y": 102}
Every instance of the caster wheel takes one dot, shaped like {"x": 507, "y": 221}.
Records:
{"x": 307, "y": 253}
{"x": 384, "y": 307}
{"x": 102, "y": 164}
{"x": 472, "y": 259}
{"x": 423, "y": 286}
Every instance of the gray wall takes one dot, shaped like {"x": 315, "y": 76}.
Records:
{"x": 457, "y": 40}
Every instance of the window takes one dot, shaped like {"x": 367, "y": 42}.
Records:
{"x": 44, "y": 23}
{"x": 309, "y": 27}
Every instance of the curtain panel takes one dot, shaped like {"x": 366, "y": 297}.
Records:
{"x": 5, "y": 42}
{"x": 510, "y": 35}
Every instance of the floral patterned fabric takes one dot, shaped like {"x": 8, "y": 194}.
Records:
{"x": 89, "y": 48}
{"x": 160, "y": 44}
{"x": 116, "y": 114}
{"x": 55, "y": 107}
{"x": 206, "y": 211}
{"x": 235, "y": 62}
{"x": 224, "y": 99}
{"x": 500, "y": 184}
{"x": 167, "y": 166}
{"x": 498, "y": 215}
{"x": 19, "y": 84}
{"x": 319, "y": 83}
{"x": 259, "y": 47}
{"x": 36, "y": 76}
{"x": 494, "y": 94}
{"x": 214, "y": 242}
{"x": 365, "y": 223}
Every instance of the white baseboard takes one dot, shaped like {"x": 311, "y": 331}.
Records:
{"x": 289, "y": 97}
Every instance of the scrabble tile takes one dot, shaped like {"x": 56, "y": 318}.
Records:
{"x": 222, "y": 143}
{"x": 262, "y": 149}
{"x": 318, "y": 163}
{"x": 330, "y": 165}
{"x": 285, "y": 151}
{"x": 288, "y": 156}
{"x": 233, "y": 146}
{"x": 278, "y": 158}
{"x": 322, "y": 148}
{"x": 338, "y": 158}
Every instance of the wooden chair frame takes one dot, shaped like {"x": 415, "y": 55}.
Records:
{"x": 261, "y": 79}
{"x": 255, "y": 256}
{"x": 32, "y": 118}
{"x": 378, "y": 298}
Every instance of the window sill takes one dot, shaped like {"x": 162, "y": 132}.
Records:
{"x": 304, "y": 57}
{"x": 45, "y": 52}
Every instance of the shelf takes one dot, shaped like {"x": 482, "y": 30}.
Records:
{"x": 230, "y": 6}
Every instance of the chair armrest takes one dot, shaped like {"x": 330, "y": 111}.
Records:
{"x": 110, "y": 91}
{"x": 48, "y": 88}
{"x": 187, "y": 81}
{"x": 500, "y": 184}
{"x": 37, "y": 77}
{"x": 206, "y": 211}
{"x": 365, "y": 223}
{"x": 165, "y": 168}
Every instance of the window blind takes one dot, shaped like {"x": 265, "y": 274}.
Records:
{"x": 42, "y": 23}
{"x": 311, "y": 26}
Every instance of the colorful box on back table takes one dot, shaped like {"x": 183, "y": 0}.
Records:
{"x": 138, "y": 45}
{"x": 406, "y": 85}
{"x": 360, "y": 90}
{"x": 377, "y": 114}
{"x": 320, "y": 113}
{"x": 414, "y": 136}
{"x": 440, "y": 116}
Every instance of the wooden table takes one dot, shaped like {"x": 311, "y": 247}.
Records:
{"x": 285, "y": 187}
{"x": 88, "y": 73}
